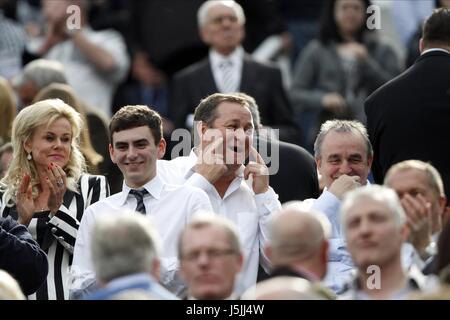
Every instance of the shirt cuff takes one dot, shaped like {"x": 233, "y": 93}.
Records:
{"x": 267, "y": 202}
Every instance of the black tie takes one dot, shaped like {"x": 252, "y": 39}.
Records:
{"x": 139, "y": 195}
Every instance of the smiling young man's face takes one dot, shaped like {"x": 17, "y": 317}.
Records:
{"x": 135, "y": 152}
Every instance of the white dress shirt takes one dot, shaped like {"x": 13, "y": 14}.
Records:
{"x": 236, "y": 58}
{"x": 249, "y": 212}
{"x": 169, "y": 208}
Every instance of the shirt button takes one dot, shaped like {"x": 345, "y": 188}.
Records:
{"x": 54, "y": 230}
{"x": 61, "y": 238}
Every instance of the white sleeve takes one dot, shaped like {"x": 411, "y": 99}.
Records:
{"x": 329, "y": 204}
{"x": 266, "y": 203}
{"x": 82, "y": 271}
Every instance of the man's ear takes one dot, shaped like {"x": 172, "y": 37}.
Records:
{"x": 318, "y": 162}
{"x": 240, "y": 262}
{"x": 369, "y": 162}
{"x": 204, "y": 35}
{"x": 161, "y": 148}
{"x": 156, "y": 268}
{"x": 421, "y": 45}
{"x": 268, "y": 252}
{"x": 111, "y": 153}
{"x": 201, "y": 128}
{"x": 405, "y": 231}
{"x": 324, "y": 251}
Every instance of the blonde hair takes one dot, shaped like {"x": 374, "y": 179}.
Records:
{"x": 9, "y": 288}
{"x": 42, "y": 113}
{"x": 7, "y": 110}
{"x": 66, "y": 94}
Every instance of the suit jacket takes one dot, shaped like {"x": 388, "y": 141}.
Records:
{"x": 296, "y": 177}
{"x": 408, "y": 118}
{"x": 21, "y": 256}
{"x": 261, "y": 81}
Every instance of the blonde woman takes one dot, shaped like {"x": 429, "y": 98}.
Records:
{"x": 7, "y": 110}
{"x": 46, "y": 188}
{"x": 66, "y": 94}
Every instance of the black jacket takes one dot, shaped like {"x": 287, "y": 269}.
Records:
{"x": 262, "y": 81}
{"x": 409, "y": 117}
{"x": 21, "y": 256}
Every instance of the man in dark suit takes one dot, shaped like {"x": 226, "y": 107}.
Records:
{"x": 408, "y": 118}
{"x": 229, "y": 69}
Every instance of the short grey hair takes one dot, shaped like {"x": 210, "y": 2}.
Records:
{"x": 433, "y": 176}
{"x": 377, "y": 193}
{"x": 204, "y": 219}
{"x": 42, "y": 73}
{"x": 202, "y": 13}
{"x": 123, "y": 243}
{"x": 342, "y": 126}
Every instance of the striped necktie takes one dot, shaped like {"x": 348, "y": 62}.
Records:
{"x": 139, "y": 195}
{"x": 228, "y": 79}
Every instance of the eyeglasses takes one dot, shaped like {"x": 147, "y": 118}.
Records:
{"x": 213, "y": 254}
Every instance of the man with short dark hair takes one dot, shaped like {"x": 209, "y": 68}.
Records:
{"x": 136, "y": 144}
{"x": 408, "y": 117}
{"x": 125, "y": 255}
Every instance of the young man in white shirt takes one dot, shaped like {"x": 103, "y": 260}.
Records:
{"x": 224, "y": 126}
{"x": 136, "y": 144}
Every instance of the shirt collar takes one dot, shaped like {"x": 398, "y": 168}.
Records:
{"x": 130, "y": 280}
{"x": 192, "y": 161}
{"x": 435, "y": 49}
{"x": 154, "y": 188}
{"x": 235, "y": 57}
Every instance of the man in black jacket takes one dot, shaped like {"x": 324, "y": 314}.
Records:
{"x": 408, "y": 117}
{"x": 21, "y": 256}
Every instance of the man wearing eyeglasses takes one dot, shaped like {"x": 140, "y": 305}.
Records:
{"x": 210, "y": 257}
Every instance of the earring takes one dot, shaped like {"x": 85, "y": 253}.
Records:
{"x": 29, "y": 157}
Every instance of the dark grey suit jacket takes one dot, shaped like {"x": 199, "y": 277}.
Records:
{"x": 261, "y": 81}
{"x": 409, "y": 117}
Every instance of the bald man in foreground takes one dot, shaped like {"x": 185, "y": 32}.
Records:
{"x": 298, "y": 248}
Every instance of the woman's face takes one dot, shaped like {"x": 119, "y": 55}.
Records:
{"x": 349, "y": 15}
{"x": 52, "y": 144}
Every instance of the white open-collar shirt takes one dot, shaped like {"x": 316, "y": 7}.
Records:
{"x": 249, "y": 212}
{"x": 169, "y": 208}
